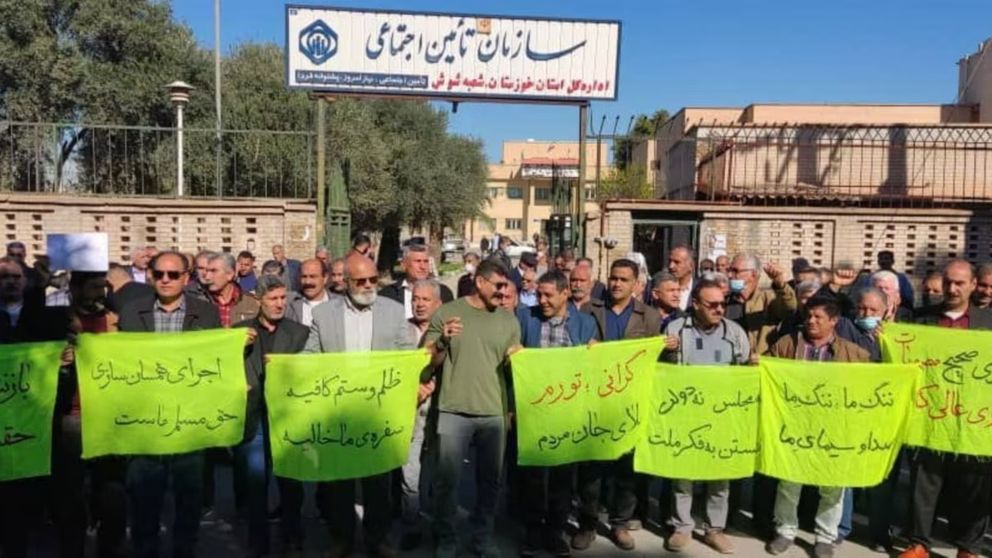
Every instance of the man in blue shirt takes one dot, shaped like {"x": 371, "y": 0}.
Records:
{"x": 554, "y": 322}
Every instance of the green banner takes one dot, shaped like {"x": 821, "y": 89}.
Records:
{"x": 336, "y": 416}
{"x": 951, "y": 408}
{"x": 582, "y": 403}
{"x": 29, "y": 381}
{"x": 161, "y": 393}
{"x": 832, "y": 424}
{"x": 702, "y": 423}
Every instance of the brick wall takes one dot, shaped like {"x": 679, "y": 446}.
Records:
{"x": 189, "y": 225}
{"x": 921, "y": 239}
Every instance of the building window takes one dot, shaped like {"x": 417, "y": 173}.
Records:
{"x": 493, "y": 193}
{"x": 590, "y": 194}
{"x": 542, "y": 194}
{"x": 513, "y": 224}
{"x": 515, "y": 193}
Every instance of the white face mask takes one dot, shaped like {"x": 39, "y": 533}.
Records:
{"x": 469, "y": 268}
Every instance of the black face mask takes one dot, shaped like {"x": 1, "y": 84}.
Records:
{"x": 933, "y": 300}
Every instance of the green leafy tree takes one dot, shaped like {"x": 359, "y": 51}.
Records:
{"x": 644, "y": 128}
{"x": 98, "y": 61}
{"x": 625, "y": 183}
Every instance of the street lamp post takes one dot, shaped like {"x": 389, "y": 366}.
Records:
{"x": 179, "y": 96}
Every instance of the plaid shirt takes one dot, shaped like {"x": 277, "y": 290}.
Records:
{"x": 169, "y": 322}
{"x": 224, "y": 307}
{"x": 806, "y": 350}
{"x": 554, "y": 333}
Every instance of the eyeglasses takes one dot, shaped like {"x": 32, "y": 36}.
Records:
{"x": 362, "y": 281}
{"x": 713, "y": 305}
{"x": 173, "y": 275}
{"x": 499, "y": 285}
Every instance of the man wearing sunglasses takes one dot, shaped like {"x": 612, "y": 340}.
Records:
{"x": 704, "y": 337}
{"x": 170, "y": 311}
{"x": 360, "y": 321}
{"x": 471, "y": 339}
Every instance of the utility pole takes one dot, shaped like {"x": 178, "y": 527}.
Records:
{"x": 578, "y": 219}
{"x": 219, "y": 145}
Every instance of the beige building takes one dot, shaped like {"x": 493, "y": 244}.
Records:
{"x": 834, "y": 184}
{"x": 521, "y": 184}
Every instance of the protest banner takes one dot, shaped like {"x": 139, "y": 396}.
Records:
{"x": 832, "y": 423}
{"x": 951, "y": 407}
{"x": 702, "y": 423}
{"x": 29, "y": 380}
{"x": 161, "y": 393}
{"x": 335, "y": 416}
{"x": 582, "y": 403}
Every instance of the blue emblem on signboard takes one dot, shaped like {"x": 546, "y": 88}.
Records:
{"x": 318, "y": 42}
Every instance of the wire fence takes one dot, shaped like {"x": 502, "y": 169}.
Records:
{"x": 141, "y": 160}
{"x": 901, "y": 165}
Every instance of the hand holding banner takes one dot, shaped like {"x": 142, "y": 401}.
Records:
{"x": 582, "y": 403}
{"x": 336, "y": 416}
{"x": 29, "y": 379}
{"x": 161, "y": 393}
{"x": 702, "y": 423}
{"x": 832, "y": 424}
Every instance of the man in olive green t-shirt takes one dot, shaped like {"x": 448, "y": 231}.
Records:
{"x": 471, "y": 338}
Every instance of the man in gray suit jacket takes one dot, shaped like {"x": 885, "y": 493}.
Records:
{"x": 358, "y": 322}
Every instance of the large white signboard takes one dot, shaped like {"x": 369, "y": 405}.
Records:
{"x": 451, "y": 56}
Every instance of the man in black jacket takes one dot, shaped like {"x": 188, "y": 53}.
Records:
{"x": 171, "y": 311}
{"x": 417, "y": 267}
{"x": 22, "y": 320}
{"x": 965, "y": 481}
{"x": 274, "y": 335}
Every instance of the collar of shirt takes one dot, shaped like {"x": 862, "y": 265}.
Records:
{"x": 182, "y": 306}
{"x": 556, "y": 321}
{"x": 322, "y": 299}
{"x": 231, "y": 300}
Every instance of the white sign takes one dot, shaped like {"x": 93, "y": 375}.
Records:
{"x": 78, "y": 251}
{"x": 451, "y": 55}
{"x": 544, "y": 171}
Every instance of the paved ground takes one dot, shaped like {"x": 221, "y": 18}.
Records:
{"x": 224, "y": 539}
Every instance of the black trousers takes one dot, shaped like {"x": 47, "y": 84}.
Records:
{"x": 339, "y": 499}
{"x": 546, "y": 497}
{"x": 966, "y": 482}
{"x": 591, "y": 477}
{"x": 20, "y": 511}
{"x": 291, "y": 505}
{"x": 108, "y": 501}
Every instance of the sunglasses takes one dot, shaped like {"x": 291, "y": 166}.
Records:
{"x": 713, "y": 305}
{"x": 499, "y": 285}
{"x": 362, "y": 281}
{"x": 173, "y": 275}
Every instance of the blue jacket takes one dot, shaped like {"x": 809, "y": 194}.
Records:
{"x": 581, "y": 327}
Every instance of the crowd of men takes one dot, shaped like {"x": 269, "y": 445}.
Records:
{"x": 718, "y": 313}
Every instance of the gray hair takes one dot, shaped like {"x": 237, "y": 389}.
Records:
{"x": 431, "y": 284}
{"x": 706, "y": 281}
{"x": 208, "y": 254}
{"x": 415, "y": 247}
{"x": 321, "y": 249}
{"x": 808, "y": 286}
{"x": 863, "y": 292}
{"x": 884, "y": 275}
{"x": 983, "y": 270}
{"x": 720, "y": 278}
{"x": 267, "y": 284}
{"x": 663, "y": 277}
{"x": 752, "y": 261}
{"x": 271, "y": 266}
{"x": 229, "y": 262}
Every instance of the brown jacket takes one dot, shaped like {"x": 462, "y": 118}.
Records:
{"x": 841, "y": 350}
{"x": 644, "y": 320}
{"x": 763, "y": 312}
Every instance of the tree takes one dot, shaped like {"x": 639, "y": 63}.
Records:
{"x": 644, "y": 127}
{"x": 625, "y": 183}
{"x": 98, "y": 61}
